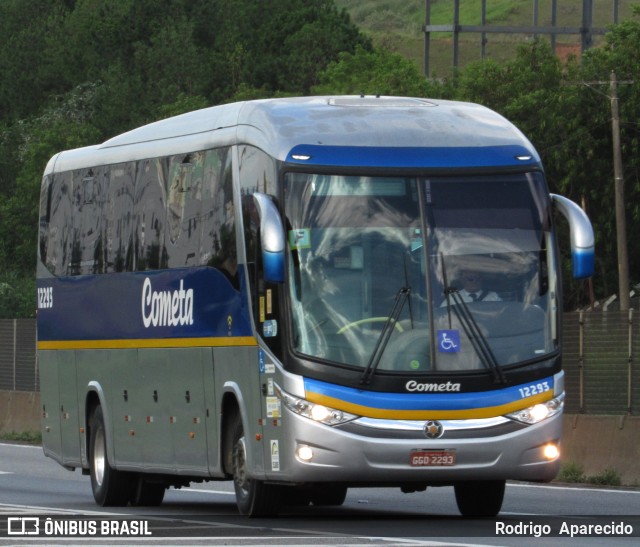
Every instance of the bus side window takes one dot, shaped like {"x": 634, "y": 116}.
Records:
{"x": 184, "y": 206}
{"x": 45, "y": 216}
{"x": 58, "y": 244}
{"x": 218, "y": 236}
{"x": 150, "y": 214}
{"x": 86, "y": 246}
{"x": 258, "y": 174}
{"x": 118, "y": 218}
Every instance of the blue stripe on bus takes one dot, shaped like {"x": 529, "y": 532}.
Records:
{"x": 414, "y": 157}
{"x": 162, "y": 304}
{"x": 317, "y": 391}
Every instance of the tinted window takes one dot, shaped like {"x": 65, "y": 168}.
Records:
{"x": 86, "y": 240}
{"x": 258, "y": 174}
{"x": 150, "y": 214}
{"x": 59, "y": 226}
{"x": 218, "y": 237}
{"x": 118, "y": 217}
{"x": 45, "y": 215}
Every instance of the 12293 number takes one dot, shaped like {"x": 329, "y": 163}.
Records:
{"x": 534, "y": 389}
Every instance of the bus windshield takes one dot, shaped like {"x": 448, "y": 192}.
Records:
{"x": 420, "y": 275}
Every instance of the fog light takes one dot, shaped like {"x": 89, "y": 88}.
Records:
{"x": 551, "y": 451}
{"x": 305, "y": 453}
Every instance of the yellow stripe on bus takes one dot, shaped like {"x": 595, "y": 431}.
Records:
{"x": 429, "y": 414}
{"x": 219, "y": 341}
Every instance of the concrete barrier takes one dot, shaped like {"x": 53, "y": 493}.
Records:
{"x": 19, "y": 411}
{"x": 596, "y": 443}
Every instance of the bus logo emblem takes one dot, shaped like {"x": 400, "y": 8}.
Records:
{"x": 433, "y": 429}
{"x": 166, "y": 308}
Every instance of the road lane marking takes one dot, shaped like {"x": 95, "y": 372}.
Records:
{"x": 576, "y": 487}
{"x": 202, "y": 491}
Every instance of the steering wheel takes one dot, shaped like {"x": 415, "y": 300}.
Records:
{"x": 359, "y": 322}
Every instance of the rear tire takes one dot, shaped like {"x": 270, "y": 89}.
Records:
{"x": 110, "y": 486}
{"x": 479, "y": 498}
{"x": 254, "y": 497}
{"x": 147, "y": 493}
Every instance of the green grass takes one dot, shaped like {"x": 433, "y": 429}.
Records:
{"x": 28, "y": 437}
{"x": 574, "y": 473}
{"x": 608, "y": 477}
{"x": 397, "y": 25}
{"x": 571, "y": 472}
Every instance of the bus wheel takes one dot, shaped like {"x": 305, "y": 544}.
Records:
{"x": 147, "y": 493}
{"x": 328, "y": 495}
{"x": 254, "y": 497}
{"x": 110, "y": 486}
{"x": 479, "y": 498}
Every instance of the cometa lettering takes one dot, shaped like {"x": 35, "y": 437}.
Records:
{"x": 412, "y": 385}
{"x": 166, "y": 308}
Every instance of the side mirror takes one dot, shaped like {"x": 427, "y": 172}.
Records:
{"x": 272, "y": 239}
{"x": 582, "y": 239}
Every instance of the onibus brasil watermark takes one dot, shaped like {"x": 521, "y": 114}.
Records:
{"x": 51, "y": 527}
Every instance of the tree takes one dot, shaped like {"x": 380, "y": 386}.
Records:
{"x": 76, "y": 72}
{"x": 376, "y": 71}
{"x": 62, "y": 126}
{"x": 27, "y": 62}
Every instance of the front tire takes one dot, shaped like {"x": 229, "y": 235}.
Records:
{"x": 479, "y": 498}
{"x": 110, "y": 486}
{"x": 254, "y": 497}
{"x": 328, "y": 495}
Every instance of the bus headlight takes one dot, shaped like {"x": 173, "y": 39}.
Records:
{"x": 539, "y": 412}
{"x": 313, "y": 411}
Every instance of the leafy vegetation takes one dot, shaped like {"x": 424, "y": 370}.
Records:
{"x": 28, "y": 437}
{"x": 398, "y": 26}
{"x": 574, "y": 473}
{"x": 76, "y": 72}
{"x": 571, "y": 472}
{"x": 608, "y": 477}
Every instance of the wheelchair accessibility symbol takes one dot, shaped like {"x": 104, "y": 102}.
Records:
{"x": 448, "y": 341}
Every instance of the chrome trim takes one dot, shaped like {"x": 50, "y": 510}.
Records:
{"x": 418, "y": 425}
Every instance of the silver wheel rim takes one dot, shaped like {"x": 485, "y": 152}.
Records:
{"x": 240, "y": 466}
{"x": 99, "y": 456}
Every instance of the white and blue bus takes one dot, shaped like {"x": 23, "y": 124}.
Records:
{"x": 274, "y": 292}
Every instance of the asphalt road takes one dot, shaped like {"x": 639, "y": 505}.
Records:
{"x": 34, "y": 487}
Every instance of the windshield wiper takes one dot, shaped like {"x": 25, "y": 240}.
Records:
{"x": 401, "y": 297}
{"x": 473, "y": 332}
{"x": 471, "y": 328}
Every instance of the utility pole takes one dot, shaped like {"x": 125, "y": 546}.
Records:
{"x": 618, "y": 189}
{"x": 621, "y": 225}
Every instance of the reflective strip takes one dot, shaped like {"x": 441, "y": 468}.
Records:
{"x": 148, "y": 343}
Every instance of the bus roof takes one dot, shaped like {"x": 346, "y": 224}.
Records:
{"x": 319, "y": 124}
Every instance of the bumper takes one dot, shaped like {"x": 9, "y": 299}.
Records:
{"x": 382, "y": 455}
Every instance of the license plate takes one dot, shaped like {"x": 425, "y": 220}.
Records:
{"x": 432, "y": 458}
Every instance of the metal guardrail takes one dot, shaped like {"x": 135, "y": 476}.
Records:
{"x": 18, "y": 363}
{"x": 599, "y": 360}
